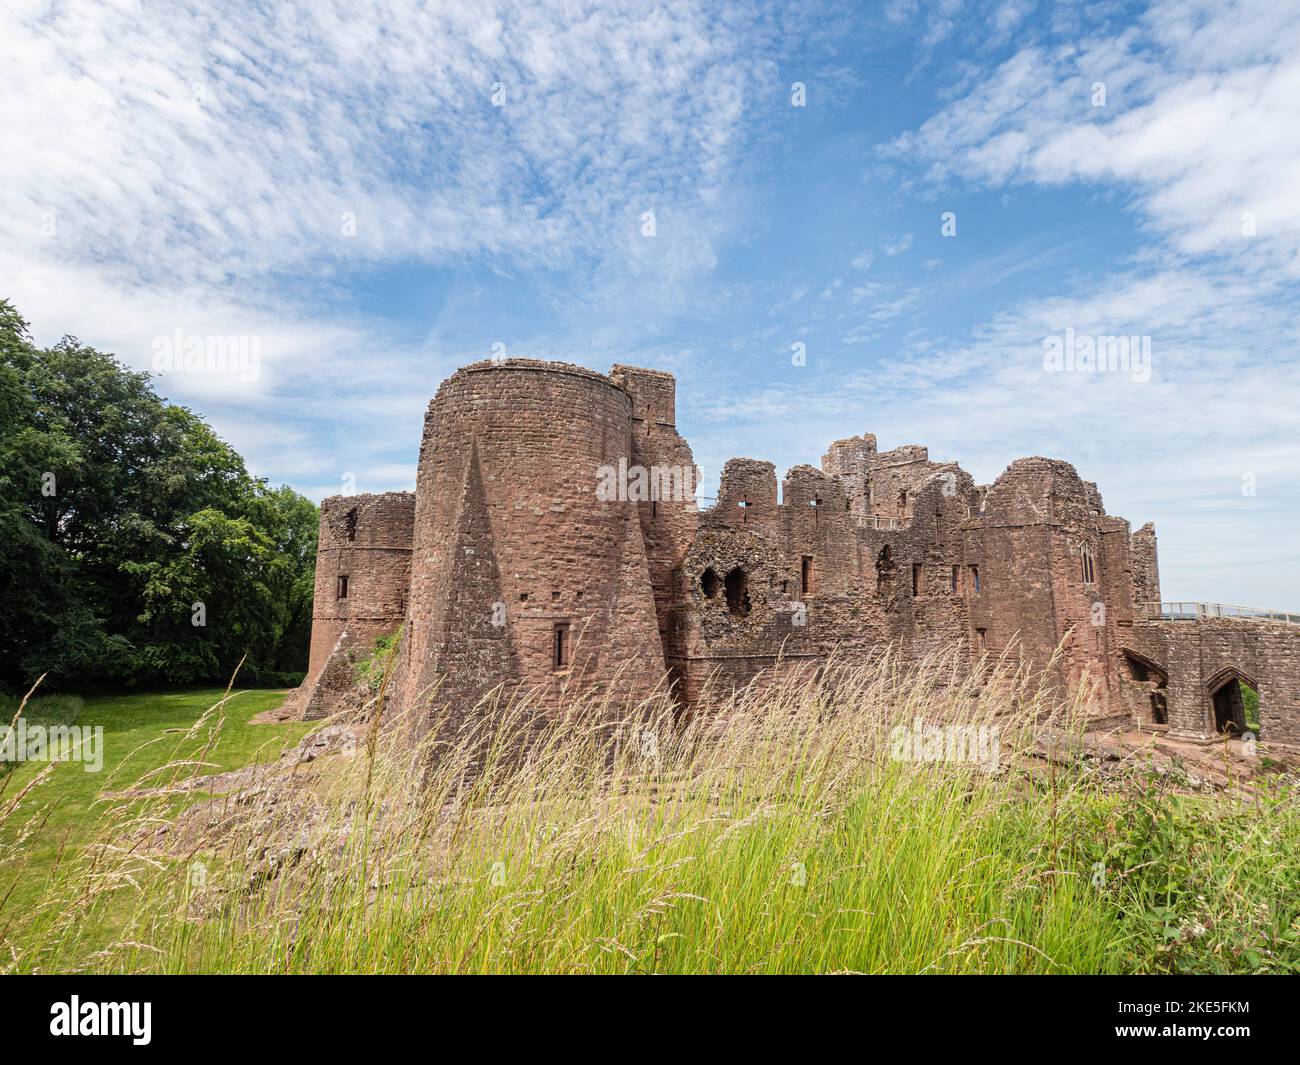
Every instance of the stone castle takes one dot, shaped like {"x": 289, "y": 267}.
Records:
{"x": 554, "y": 543}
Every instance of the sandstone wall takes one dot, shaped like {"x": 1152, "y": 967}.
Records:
{"x": 849, "y": 462}
{"x": 1054, "y": 571}
{"x": 819, "y": 578}
{"x": 1199, "y": 656}
{"x": 670, "y": 517}
{"x": 511, "y": 541}
{"x": 365, "y": 539}
{"x": 1146, "y": 565}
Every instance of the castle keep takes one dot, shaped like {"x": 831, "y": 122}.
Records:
{"x": 554, "y": 543}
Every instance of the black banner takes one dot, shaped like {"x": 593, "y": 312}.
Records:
{"x": 214, "y": 1014}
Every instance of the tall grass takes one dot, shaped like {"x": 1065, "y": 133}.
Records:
{"x": 773, "y": 832}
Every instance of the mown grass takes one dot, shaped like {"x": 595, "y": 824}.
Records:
{"x": 776, "y": 833}
{"x": 47, "y": 833}
{"x": 44, "y": 710}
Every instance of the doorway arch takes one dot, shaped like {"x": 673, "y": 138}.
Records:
{"x": 1155, "y": 679}
{"x": 1230, "y": 701}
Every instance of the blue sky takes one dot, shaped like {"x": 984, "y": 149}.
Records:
{"x": 380, "y": 193}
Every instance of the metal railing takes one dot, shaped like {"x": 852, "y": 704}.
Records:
{"x": 1200, "y": 611}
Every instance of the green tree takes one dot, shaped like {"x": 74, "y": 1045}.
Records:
{"x": 138, "y": 548}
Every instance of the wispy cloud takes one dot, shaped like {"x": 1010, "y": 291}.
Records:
{"x": 1193, "y": 132}
{"x": 189, "y": 146}
{"x": 220, "y": 172}
{"x": 898, "y": 245}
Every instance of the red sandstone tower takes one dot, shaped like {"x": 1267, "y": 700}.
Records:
{"x": 523, "y": 574}
{"x": 363, "y": 574}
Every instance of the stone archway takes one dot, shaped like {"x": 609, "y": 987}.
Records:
{"x": 1153, "y": 682}
{"x": 1228, "y": 701}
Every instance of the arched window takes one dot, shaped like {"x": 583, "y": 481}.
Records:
{"x": 1087, "y": 566}
{"x": 709, "y": 583}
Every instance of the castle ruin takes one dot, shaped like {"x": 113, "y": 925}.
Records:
{"x": 554, "y": 542}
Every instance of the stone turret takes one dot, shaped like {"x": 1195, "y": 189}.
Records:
{"x": 363, "y": 576}
{"x": 525, "y": 574}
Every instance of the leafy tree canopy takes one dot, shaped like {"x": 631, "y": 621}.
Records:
{"x": 137, "y": 547}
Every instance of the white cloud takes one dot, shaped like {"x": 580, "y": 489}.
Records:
{"x": 1219, "y": 404}
{"x": 899, "y": 245}
{"x": 219, "y": 172}
{"x": 1010, "y": 14}
{"x": 189, "y": 147}
{"x": 1198, "y": 120}
{"x": 1198, "y": 128}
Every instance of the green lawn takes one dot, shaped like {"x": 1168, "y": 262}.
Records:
{"x": 138, "y": 736}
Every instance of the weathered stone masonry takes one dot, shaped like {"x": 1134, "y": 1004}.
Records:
{"x": 363, "y": 578}
{"x": 511, "y": 567}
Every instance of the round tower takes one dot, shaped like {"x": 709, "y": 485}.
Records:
{"x": 529, "y": 564}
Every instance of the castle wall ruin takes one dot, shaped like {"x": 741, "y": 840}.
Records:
{"x": 363, "y": 579}
{"x": 554, "y": 545}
